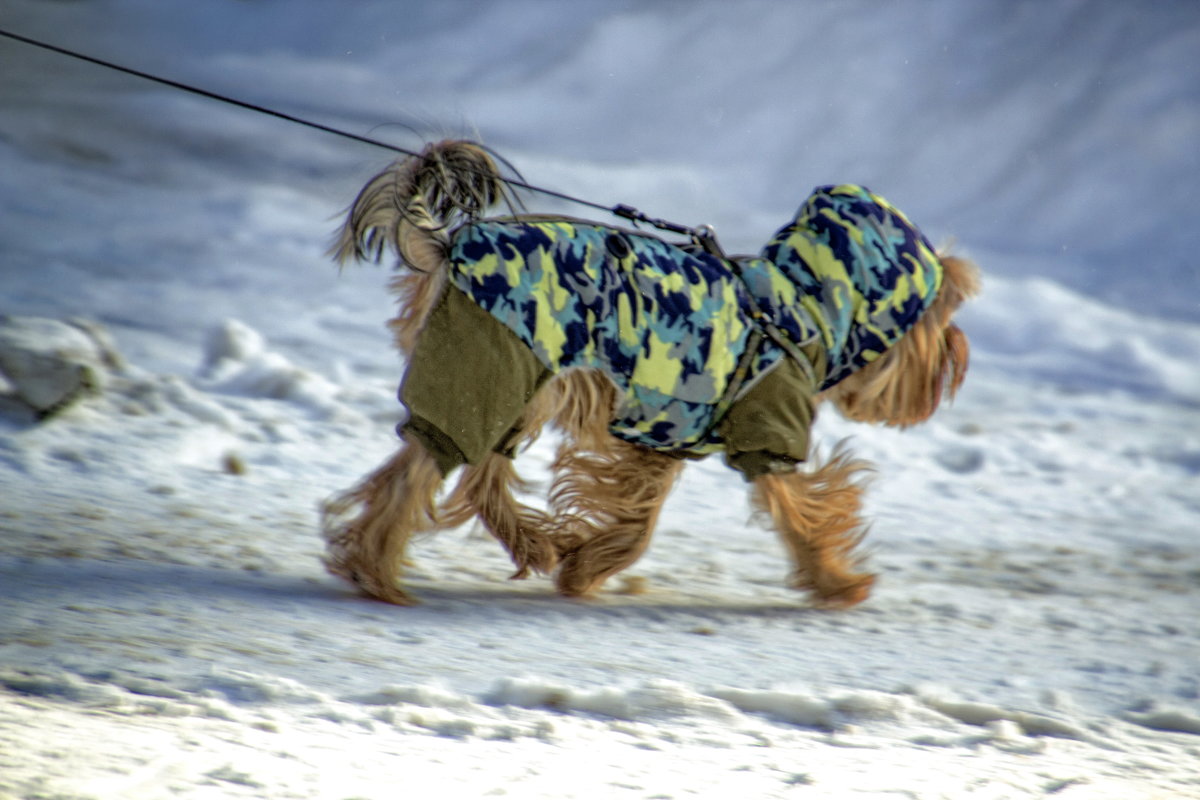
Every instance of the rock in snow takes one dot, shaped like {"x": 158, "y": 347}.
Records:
{"x": 48, "y": 364}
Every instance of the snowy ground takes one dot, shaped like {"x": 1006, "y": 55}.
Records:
{"x": 166, "y": 629}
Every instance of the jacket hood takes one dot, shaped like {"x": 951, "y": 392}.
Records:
{"x": 863, "y": 275}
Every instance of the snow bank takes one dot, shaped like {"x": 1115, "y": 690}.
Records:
{"x": 1044, "y": 331}
{"x": 928, "y": 715}
{"x": 643, "y": 736}
{"x": 237, "y": 361}
{"x": 659, "y": 700}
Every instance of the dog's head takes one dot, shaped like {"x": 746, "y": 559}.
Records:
{"x": 905, "y": 385}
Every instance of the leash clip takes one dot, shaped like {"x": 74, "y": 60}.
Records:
{"x": 632, "y": 214}
{"x": 703, "y": 236}
{"x": 706, "y": 237}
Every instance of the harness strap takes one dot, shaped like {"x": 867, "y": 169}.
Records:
{"x": 706, "y": 238}
{"x": 736, "y": 381}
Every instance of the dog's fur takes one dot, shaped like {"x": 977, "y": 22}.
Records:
{"x": 606, "y": 494}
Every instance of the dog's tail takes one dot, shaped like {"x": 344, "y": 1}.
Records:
{"x": 412, "y": 206}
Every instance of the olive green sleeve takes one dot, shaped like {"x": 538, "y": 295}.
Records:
{"x": 467, "y": 383}
{"x": 767, "y": 429}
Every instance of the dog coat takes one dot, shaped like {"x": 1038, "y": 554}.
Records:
{"x": 670, "y": 324}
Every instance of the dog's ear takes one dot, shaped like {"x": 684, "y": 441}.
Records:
{"x": 960, "y": 281}
{"x": 957, "y": 357}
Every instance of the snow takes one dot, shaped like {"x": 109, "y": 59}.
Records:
{"x": 166, "y": 629}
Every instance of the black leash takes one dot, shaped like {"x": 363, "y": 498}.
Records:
{"x": 620, "y": 210}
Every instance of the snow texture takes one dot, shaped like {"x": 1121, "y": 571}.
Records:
{"x": 184, "y": 377}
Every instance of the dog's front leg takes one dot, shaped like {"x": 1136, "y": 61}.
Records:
{"x": 388, "y": 507}
{"x": 817, "y": 516}
{"x": 610, "y": 502}
{"x": 486, "y": 489}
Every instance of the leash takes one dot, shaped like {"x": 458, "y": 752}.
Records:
{"x": 619, "y": 210}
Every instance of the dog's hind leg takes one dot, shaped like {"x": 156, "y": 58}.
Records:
{"x": 817, "y": 516}
{"x": 486, "y": 489}
{"x": 367, "y": 527}
{"x": 610, "y": 502}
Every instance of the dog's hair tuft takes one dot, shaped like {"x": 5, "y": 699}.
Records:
{"x": 448, "y": 183}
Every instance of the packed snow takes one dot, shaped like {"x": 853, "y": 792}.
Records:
{"x": 184, "y": 377}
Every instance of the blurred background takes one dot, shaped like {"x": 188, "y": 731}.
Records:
{"x": 1055, "y": 140}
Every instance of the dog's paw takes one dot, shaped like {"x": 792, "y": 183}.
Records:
{"x": 387, "y": 594}
{"x": 574, "y": 580}
{"x": 841, "y": 592}
{"x": 538, "y": 555}
{"x": 369, "y": 584}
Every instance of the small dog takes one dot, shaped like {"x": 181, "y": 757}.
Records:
{"x": 644, "y": 354}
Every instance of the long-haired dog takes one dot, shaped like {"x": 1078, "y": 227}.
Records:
{"x": 643, "y": 354}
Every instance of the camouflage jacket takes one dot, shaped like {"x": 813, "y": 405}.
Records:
{"x": 670, "y": 324}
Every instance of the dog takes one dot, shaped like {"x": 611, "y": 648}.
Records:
{"x": 644, "y": 354}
